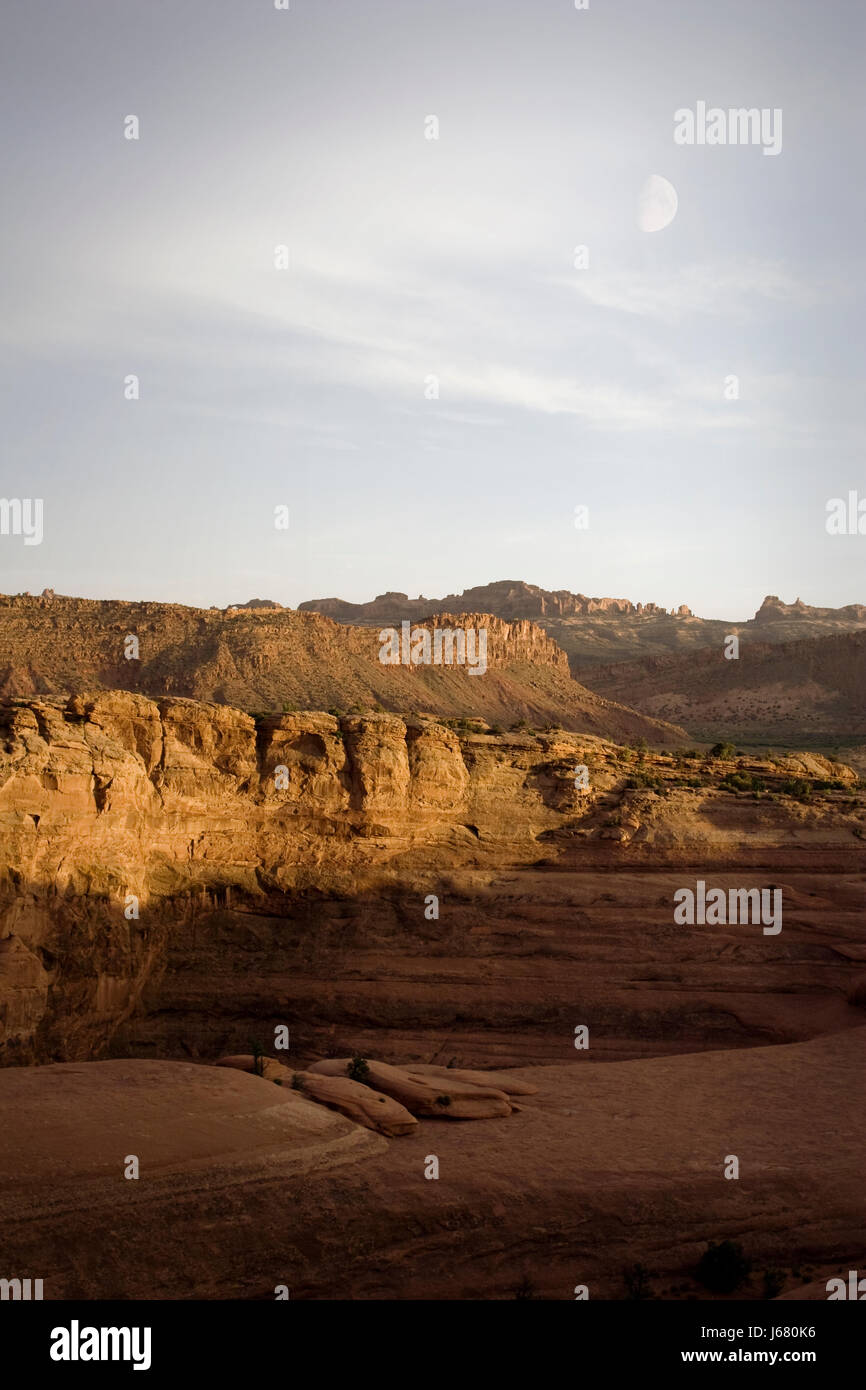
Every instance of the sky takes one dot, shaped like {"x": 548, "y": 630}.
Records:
{"x": 430, "y": 384}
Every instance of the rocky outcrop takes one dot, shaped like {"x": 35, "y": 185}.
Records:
{"x": 357, "y": 1102}
{"x": 774, "y": 610}
{"x": 508, "y": 598}
{"x": 127, "y": 824}
{"x": 259, "y": 659}
{"x": 444, "y": 1099}
{"x": 363, "y": 1104}
{"x": 174, "y": 873}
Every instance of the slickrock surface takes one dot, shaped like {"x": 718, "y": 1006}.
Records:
{"x": 608, "y": 1164}
{"x": 76, "y": 1123}
{"x": 509, "y": 1084}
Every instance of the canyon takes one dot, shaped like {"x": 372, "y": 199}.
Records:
{"x": 184, "y": 878}
{"x": 309, "y": 906}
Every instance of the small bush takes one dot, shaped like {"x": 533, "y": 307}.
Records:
{"x": 774, "y": 1282}
{"x": 723, "y": 1268}
{"x": 637, "y": 1282}
{"x": 725, "y": 751}
{"x": 358, "y": 1069}
{"x": 649, "y": 780}
{"x": 741, "y": 782}
{"x": 797, "y": 787}
{"x": 443, "y": 1100}
{"x": 298, "y": 1083}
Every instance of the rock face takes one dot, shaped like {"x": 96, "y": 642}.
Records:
{"x": 773, "y": 610}
{"x": 507, "y": 598}
{"x": 127, "y": 821}
{"x": 264, "y": 659}
{"x": 596, "y": 632}
{"x": 174, "y": 874}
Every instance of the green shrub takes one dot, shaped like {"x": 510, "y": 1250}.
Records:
{"x": 741, "y": 782}
{"x": 725, "y": 751}
{"x": 797, "y": 787}
{"x": 649, "y": 780}
{"x": 358, "y": 1069}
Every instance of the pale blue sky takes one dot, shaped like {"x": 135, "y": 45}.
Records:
{"x": 411, "y": 257}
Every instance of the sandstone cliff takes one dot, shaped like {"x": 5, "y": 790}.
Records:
{"x": 263, "y": 659}
{"x": 178, "y": 875}
{"x": 508, "y": 598}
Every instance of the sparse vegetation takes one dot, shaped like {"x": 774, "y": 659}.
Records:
{"x": 723, "y": 751}
{"x": 637, "y": 1282}
{"x": 797, "y": 787}
{"x": 774, "y": 1282}
{"x": 358, "y": 1069}
{"x": 723, "y": 1267}
{"x": 649, "y": 781}
{"x": 742, "y": 782}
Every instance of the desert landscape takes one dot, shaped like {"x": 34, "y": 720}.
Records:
{"x": 379, "y": 931}
{"x": 466, "y": 920}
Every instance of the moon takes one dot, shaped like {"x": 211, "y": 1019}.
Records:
{"x": 657, "y": 204}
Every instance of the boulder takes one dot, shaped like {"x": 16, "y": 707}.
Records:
{"x": 271, "y": 1069}
{"x": 450, "y": 1100}
{"x": 359, "y": 1103}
